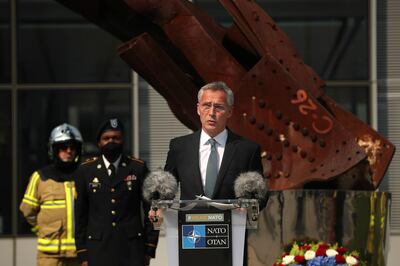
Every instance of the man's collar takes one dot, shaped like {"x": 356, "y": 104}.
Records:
{"x": 220, "y": 138}
{"x": 107, "y": 163}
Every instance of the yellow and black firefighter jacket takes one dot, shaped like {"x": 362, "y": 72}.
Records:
{"x": 48, "y": 205}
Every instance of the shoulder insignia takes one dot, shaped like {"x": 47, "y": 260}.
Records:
{"x": 135, "y": 159}
{"x": 90, "y": 160}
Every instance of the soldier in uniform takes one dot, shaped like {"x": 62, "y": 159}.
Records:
{"x": 48, "y": 203}
{"x": 110, "y": 226}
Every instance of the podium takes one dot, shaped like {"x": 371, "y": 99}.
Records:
{"x": 207, "y": 232}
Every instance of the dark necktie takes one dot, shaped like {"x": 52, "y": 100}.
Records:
{"x": 112, "y": 170}
{"x": 212, "y": 169}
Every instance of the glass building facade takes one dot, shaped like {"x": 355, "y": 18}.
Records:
{"x": 57, "y": 67}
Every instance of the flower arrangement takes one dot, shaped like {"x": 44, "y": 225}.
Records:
{"x": 318, "y": 254}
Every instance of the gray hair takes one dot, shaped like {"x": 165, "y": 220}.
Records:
{"x": 217, "y": 86}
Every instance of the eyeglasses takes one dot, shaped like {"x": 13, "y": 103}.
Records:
{"x": 217, "y": 107}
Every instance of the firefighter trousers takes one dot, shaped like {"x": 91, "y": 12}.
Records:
{"x": 49, "y": 261}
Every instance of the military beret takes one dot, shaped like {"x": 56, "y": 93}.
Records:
{"x": 110, "y": 124}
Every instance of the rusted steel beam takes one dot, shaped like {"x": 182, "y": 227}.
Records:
{"x": 379, "y": 150}
{"x": 303, "y": 142}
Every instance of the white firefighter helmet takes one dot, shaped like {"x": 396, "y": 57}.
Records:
{"x": 64, "y": 133}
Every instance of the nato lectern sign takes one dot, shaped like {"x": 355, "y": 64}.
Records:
{"x": 205, "y": 237}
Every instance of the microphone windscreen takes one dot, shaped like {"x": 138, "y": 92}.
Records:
{"x": 159, "y": 185}
{"x": 250, "y": 185}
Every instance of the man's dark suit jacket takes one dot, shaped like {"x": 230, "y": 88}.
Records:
{"x": 240, "y": 155}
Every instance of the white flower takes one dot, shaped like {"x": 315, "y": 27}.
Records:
{"x": 350, "y": 260}
{"x": 331, "y": 252}
{"x": 309, "y": 255}
{"x": 287, "y": 259}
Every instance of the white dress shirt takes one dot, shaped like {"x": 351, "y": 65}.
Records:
{"x": 107, "y": 164}
{"x": 205, "y": 150}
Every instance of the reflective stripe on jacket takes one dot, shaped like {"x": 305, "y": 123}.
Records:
{"x": 49, "y": 206}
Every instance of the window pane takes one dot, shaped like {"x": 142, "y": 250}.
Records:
{"x": 5, "y": 47}
{"x": 336, "y": 49}
{"x": 40, "y": 111}
{"x": 144, "y": 120}
{"x": 353, "y": 99}
{"x": 5, "y": 162}
{"x": 330, "y": 35}
{"x": 56, "y": 45}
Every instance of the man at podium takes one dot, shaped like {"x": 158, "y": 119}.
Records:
{"x": 208, "y": 161}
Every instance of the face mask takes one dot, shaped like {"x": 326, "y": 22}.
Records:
{"x": 111, "y": 151}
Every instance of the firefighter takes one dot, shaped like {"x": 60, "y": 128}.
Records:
{"x": 48, "y": 203}
{"x": 110, "y": 226}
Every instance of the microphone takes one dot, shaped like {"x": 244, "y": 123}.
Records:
{"x": 159, "y": 185}
{"x": 250, "y": 185}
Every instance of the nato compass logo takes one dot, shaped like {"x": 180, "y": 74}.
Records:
{"x": 205, "y": 236}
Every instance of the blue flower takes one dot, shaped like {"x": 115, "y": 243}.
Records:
{"x": 317, "y": 261}
{"x": 329, "y": 261}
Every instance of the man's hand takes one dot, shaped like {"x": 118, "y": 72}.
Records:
{"x": 155, "y": 216}
{"x": 85, "y": 263}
